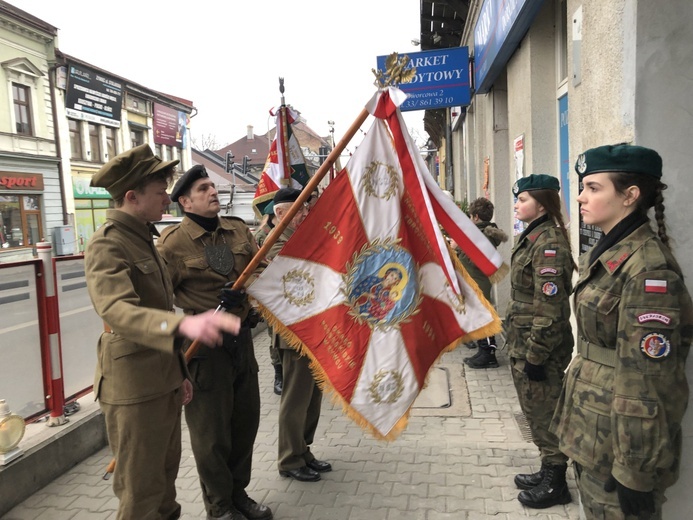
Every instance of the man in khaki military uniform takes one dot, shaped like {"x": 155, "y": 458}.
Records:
{"x": 299, "y": 410}
{"x": 203, "y": 254}
{"x": 140, "y": 375}
{"x": 266, "y": 226}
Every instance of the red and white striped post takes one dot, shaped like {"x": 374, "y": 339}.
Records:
{"x": 56, "y": 397}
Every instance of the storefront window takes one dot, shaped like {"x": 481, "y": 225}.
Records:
{"x": 20, "y": 220}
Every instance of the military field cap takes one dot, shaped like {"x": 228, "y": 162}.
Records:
{"x": 619, "y": 158}
{"x": 127, "y": 170}
{"x": 187, "y": 179}
{"x": 286, "y": 195}
{"x": 269, "y": 208}
{"x": 537, "y": 181}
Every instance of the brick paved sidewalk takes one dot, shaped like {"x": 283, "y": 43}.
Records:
{"x": 452, "y": 463}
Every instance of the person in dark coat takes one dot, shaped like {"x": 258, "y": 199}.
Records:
{"x": 481, "y": 213}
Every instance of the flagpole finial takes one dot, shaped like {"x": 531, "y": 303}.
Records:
{"x": 281, "y": 88}
{"x": 397, "y": 71}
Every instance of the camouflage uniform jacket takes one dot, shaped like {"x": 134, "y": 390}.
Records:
{"x": 141, "y": 359}
{"x": 538, "y": 315}
{"x": 626, "y": 391}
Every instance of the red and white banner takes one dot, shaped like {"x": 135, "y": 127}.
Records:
{"x": 366, "y": 286}
{"x": 285, "y": 165}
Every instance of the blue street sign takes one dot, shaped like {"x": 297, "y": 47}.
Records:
{"x": 441, "y": 80}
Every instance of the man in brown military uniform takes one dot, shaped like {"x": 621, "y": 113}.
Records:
{"x": 266, "y": 226}
{"x": 203, "y": 254}
{"x": 140, "y": 375}
{"x": 299, "y": 410}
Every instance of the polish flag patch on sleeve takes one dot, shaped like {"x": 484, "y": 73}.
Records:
{"x": 655, "y": 286}
{"x": 549, "y": 252}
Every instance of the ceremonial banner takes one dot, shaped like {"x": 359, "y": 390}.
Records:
{"x": 285, "y": 165}
{"x": 366, "y": 286}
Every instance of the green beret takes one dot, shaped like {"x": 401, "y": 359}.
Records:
{"x": 186, "y": 181}
{"x": 127, "y": 170}
{"x": 269, "y": 208}
{"x": 619, "y": 158}
{"x": 535, "y": 181}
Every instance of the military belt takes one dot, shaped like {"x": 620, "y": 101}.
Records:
{"x": 521, "y": 297}
{"x": 597, "y": 353}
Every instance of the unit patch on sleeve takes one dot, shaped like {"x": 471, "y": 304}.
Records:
{"x": 655, "y": 345}
{"x": 654, "y": 316}
{"x": 548, "y": 270}
{"x": 655, "y": 286}
{"x": 549, "y": 289}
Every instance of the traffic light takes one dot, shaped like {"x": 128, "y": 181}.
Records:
{"x": 229, "y": 162}
{"x": 246, "y": 160}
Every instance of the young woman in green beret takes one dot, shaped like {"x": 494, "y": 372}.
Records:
{"x": 619, "y": 416}
{"x": 540, "y": 339}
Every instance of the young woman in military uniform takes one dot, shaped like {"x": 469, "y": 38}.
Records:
{"x": 540, "y": 340}
{"x": 619, "y": 417}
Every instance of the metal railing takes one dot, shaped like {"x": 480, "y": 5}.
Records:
{"x": 48, "y": 335}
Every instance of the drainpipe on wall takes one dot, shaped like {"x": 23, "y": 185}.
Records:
{"x": 56, "y": 135}
{"x": 449, "y": 183}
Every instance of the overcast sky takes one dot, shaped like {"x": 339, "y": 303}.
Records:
{"x": 226, "y": 56}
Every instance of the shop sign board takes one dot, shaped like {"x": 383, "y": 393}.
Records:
{"x": 441, "y": 79}
{"x": 21, "y": 181}
{"x": 81, "y": 189}
{"x": 170, "y": 126}
{"x": 93, "y": 96}
{"x": 499, "y": 29}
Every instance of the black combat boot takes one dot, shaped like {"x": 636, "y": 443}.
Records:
{"x": 551, "y": 491}
{"x": 476, "y": 354}
{"x": 530, "y": 480}
{"x": 278, "y": 379}
{"x": 485, "y": 359}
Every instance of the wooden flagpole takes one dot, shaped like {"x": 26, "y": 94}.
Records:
{"x": 279, "y": 228}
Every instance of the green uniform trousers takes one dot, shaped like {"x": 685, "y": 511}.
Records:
{"x": 223, "y": 419}
{"x": 146, "y": 442}
{"x": 597, "y": 504}
{"x": 538, "y": 401}
{"x": 299, "y": 411}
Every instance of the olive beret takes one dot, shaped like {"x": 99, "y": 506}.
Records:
{"x": 535, "y": 181}
{"x": 619, "y": 158}
{"x": 286, "y": 195}
{"x": 128, "y": 169}
{"x": 187, "y": 179}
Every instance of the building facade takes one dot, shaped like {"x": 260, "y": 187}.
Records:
{"x": 63, "y": 119}
{"x": 30, "y": 194}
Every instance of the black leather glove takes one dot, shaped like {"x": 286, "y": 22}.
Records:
{"x": 231, "y": 298}
{"x": 535, "y": 372}
{"x": 253, "y": 318}
{"x": 632, "y": 502}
